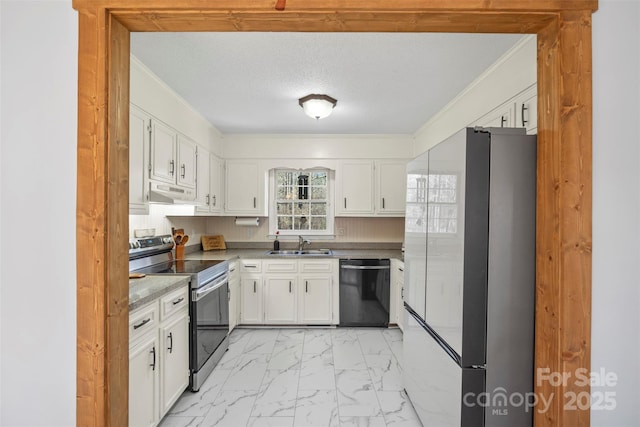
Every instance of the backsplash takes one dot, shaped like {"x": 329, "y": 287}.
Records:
{"x": 354, "y": 230}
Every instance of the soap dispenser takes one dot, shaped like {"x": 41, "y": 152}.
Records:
{"x": 276, "y": 243}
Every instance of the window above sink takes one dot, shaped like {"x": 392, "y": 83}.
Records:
{"x": 299, "y": 202}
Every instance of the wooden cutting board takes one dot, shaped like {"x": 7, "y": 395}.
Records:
{"x": 213, "y": 242}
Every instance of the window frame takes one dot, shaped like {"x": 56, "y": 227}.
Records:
{"x": 329, "y": 232}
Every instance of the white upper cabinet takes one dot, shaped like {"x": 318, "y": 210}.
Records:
{"x": 163, "y": 152}
{"x": 209, "y": 183}
{"x": 390, "y": 187}
{"x": 521, "y": 111}
{"x": 501, "y": 117}
{"x": 173, "y": 156}
{"x": 354, "y": 188}
{"x": 202, "y": 181}
{"x": 187, "y": 155}
{"x": 216, "y": 178}
{"x": 139, "y": 131}
{"x": 370, "y": 188}
{"x": 244, "y": 188}
{"x": 527, "y": 110}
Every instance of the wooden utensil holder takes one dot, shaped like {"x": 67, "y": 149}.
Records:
{"x": 179, "y": 251}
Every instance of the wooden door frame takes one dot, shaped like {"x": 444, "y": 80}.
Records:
{"x": 564, "y": 201}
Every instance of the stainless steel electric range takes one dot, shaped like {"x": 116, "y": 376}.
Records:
{"x": 208, "y": 300}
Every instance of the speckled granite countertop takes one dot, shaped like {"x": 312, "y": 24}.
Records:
{"x": 148, "y": 288}
{"x": 262, "y": 254}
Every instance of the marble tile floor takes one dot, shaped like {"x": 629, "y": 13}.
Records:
{"x": 302, "y": 377}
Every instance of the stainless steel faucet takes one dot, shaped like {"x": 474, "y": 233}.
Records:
{"x": 301, "y": 242}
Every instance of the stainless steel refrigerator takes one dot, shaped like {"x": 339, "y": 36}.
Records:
{"x": 470, "y": 279}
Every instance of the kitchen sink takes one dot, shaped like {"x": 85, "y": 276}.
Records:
{"x": 302, "y": 253}
{"x": 316, "y": 252}
{"x": 283, "y": 252}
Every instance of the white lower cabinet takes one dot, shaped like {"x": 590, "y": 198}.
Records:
{"x": 144, "y": 382}
{"x": 315, "y": 299}
{"x": 158, "y": 357}
{"x": 396, "y": 310}
{"x": 234, "y": 294}
{"x": 251, "y": 299}
{"x": 288, "y": 291}
{"x": 280, "y": 299}
{"x": 175, "y": 360}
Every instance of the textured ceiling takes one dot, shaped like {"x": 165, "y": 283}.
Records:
{"x": 385, "y": 83}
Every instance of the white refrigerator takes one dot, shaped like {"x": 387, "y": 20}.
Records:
{"x": 470, "y": 279}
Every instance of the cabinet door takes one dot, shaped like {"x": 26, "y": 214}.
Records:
{"x": 354, "y": 187}
{"x": 163, "y": 148}
{"x": 527, "y": 110}
{"x": 234, "y": 295}
{"x": 216, "y": 178}
{"x": 203, "y": 195}
{"x": 139, "y": 130}
{"x": 175, "y": 360}
{"x": 280, "y": 299}
{"x": 315, "y": 301}
{"x": 391, "y": 185}
{"x": 251, "y": 299}
{"x": 400, "y": 296}
{"x": 243, "y": 188}
{"x": 144, "y": 383}
{"x": 501, "y": 117}
{"x": 187, "y": 162}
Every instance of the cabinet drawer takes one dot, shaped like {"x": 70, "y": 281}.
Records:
{"x": 251, "y": 266}
{"x": 316, "y": 266}
{"x": 174, "y": 302}
{"x": 281, "y": 266}
{"x": 143, "y": 320}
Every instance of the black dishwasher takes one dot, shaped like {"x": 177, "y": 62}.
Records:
{"x": 364, "y": 292}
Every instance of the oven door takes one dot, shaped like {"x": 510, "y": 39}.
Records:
{"x": 209, "y": 320}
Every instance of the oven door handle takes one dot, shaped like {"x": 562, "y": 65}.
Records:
{"x": 203, "y": 291}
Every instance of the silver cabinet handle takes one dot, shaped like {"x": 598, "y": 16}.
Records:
{"x": 306, "y": 286}
{"x": 383, "y": 203}
{"x": 178, "y": 301}
{"x": 184, "y": 170}
{"x": 254, "y": 286}
{"x": 172, "y": 167}
{"x": 401, "y": 269}
{"x": 503, "y": 119}
{"x": 153, "y": 352}
{"x": 208, "y": 200}
{"x": 345, "y": 203}
{"x": 254, "y": 202}
{"x": 141, "y": 324}
{"x": 522, "y": 110}
{"x": 289, "y": 286}
{"x": 214, "y": 200}
{"x": 170, "y": 337}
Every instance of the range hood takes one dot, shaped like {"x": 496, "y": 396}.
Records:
{"x": 170, "y": 194}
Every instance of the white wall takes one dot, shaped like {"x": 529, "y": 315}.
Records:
{"x": 37, "y": 198}
{"x": 39, "y": 133}
{"x": 616, "y": 207}
{"x": 318, "y": 146}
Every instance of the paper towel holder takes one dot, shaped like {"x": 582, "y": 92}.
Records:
{"x": 247, "y": 221}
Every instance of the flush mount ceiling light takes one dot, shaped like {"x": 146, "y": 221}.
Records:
{"x": 317, "y": 106}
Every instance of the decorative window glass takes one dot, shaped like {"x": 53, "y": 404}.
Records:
{"x": 302, "y": 201}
